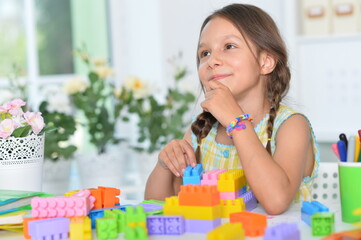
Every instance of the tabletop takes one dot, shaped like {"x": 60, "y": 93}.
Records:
{"x": 293, "y": 214}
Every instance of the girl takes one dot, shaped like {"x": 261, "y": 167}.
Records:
{"x": 243, "y": 69}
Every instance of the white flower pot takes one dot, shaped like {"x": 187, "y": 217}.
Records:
{"x": 101, "y": 170}
{"x": 56, "y": 176}
{"x": 21, "y": 162}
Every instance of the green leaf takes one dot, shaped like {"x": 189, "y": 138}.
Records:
{"x": 21, "y": 131}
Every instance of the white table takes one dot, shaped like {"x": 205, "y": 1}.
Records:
{"x": 291, "y": 215}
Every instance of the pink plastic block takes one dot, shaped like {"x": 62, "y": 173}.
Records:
{"x": 230, "y": 195}
{"x": 52, "y": 228}
{"x": 211, "y": 178}
{"x": 59, "y": 207}
{"x": 86, "y": 193}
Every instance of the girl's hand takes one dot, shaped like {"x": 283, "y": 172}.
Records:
{"x": 220, "y": 102}
{"x": 176, "y": 155}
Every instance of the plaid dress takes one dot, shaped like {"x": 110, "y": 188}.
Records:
{"x": 217, "y": 156}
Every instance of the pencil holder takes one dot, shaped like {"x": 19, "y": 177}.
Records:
{"x": 21, "y": 162}
{"x": 350, "y": 190}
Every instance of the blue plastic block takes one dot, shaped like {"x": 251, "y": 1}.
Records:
{"x": 310, "y": 208}
{"x": 283, "y": 231}
{"x": 165, "y": 225}
{"x": 193, "y": 175}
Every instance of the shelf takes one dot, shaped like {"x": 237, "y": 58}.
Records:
{"x": 329, "y": 38}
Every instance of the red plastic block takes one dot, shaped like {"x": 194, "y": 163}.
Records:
{"x": 48, "y": 207}
{"x": 254, "y": 224}
{"x": 109, "y": 196}
{"x": 198, "y": 195}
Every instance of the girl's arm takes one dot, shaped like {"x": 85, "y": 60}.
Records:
{"x": 166, "y": 178}
{"x": 276, "y": 180}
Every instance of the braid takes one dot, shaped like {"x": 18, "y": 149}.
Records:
{"x": 201, "y": 128}
{"x": 278, "y": 85}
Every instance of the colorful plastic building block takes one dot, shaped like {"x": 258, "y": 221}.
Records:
{"x": 211, "y": 178}
{"x": 120, "y": 216}
{"x": 227, "y": 231}
{"x": 249, "y": 200}
{"x": 109, "y": 196}
{"x": 97, "y": 194}
{"x": 201, "y": 226}
{"x": 349, "y": 235}
{"x": 135, "y": 233}
{"x": 172, "y": 207}
{"x": 323, "y": 223}
{"x": 254, "y": 224}
{"x": 135, "y": 216}
{"x": 310, "y": 208}
{"x": 52, "y": 228}
{"x": 165, "y": 225}
{"x": 46, "y": 207}
{"x": 231, "y": 181}
{"x": 198, "y": 195}
{"x": 80, "y": 228}
{"x": 70, "y": 193}
{"x": 283, "y": 231}
{"x": 106, "y": 228}
{"x": 26, "y": 226}
{"x": 99, "y": 213}
{"x": 231, "y": 195}
{"x": 231, "y": 206}
{"x": 192, "y": 175}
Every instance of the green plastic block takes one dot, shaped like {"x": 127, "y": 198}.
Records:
{"x": 153, "y": 201}
{"x": 323, "y": 223}
{"x": 120, "y": 219}
{"x": 135, "y": 214}
{"x": 106, "y": 228}
{"x": 137, "y": 233}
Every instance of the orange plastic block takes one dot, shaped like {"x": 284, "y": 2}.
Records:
{"x": 231, "y": 180}
{"x": 109, "y": 196}
{"x": 80, "y": 228}
{"x": 232, "y": 206}
{"x": 172, "y": 207}
{"x": 26, "y": 226}
{"x": 198, "y": 195}
{"x": 253, "y": 223}
{"x": 227, "y": 231}
{"x": 97, "y": 194}
{"x": 349, "y": 235}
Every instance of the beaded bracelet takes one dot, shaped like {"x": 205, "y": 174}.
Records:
{"x": 238, "y": 124}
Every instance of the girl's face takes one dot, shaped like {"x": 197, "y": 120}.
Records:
{"x": 225, "y": 56}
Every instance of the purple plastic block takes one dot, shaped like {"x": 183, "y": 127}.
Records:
{"x": 283, "y": 231}
{"x": 249, "y": 200}
{"x": 52, "y": 228}
{"x": 201, "y": 226}
{"x": 148, "y": 207}
{"x": 165, "y": 225}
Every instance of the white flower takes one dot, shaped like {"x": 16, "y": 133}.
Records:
{"x": 59, "y": 102}
{"x": 75, "y": 85}
{"x": 6, "y": 95}
{"x": 137, "y": 86}
{"x": 99, "y": 61}
{"x": 103, "y": 71}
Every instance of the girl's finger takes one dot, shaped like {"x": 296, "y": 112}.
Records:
{"x": 189, "y": 154}
{"x": 171, "y": 167}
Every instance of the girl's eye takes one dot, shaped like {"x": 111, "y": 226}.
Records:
{"x": 204, "y": 54}
{"x": 230, "y": 46}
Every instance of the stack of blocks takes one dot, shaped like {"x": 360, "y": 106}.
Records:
{"x": 200, "y": 206}
{"x": 317, "y": 215}
{"x": 55, "y": 217}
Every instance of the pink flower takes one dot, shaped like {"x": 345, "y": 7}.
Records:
{"x": 16, "y": 103}
{"x": 35, "y": 120}
{"x": 7, "y": 127}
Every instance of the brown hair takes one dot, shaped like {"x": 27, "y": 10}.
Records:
{"x": 257, "y": 26}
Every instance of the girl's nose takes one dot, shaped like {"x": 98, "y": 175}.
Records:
{"x": 214, "y": 60}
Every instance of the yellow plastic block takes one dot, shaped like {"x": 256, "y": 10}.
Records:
{"x": 172, "y": 207}
{"x": 232, "y": 205}
{"x": 70, "y": 193}
{"x": 80, "y": 228}
{"x": 227, "y": 231}
{"x": 231, "y": 180}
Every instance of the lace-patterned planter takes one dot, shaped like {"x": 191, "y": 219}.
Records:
{"x": 21, "y": 162}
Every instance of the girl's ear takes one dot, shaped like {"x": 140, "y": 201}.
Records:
{"x": 267, "y": 63}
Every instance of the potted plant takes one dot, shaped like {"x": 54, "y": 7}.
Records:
{"x": 94, "y": 97}
{"x": 21, "y": 147}
{"x": 59, "y": 150}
